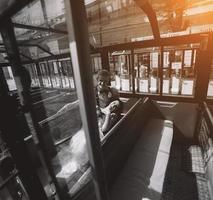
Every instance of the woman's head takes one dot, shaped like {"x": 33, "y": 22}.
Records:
{"x": 103, "y": 79}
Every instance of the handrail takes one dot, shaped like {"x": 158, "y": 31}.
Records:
{"x": 49, "y": 98}
{"x": 113, "y": 129}
{"x": 8, "y": 180}
{"x": 117, "y": 125}
{"x": 63, "y": 140}
{"x": 63, "y": 110}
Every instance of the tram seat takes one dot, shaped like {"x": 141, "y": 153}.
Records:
{"x": 143, "y": 174}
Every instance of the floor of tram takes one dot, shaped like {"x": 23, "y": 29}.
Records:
{"x": 178, "y": 183}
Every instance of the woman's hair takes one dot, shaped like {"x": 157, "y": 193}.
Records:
{"x": 104, "y": 73}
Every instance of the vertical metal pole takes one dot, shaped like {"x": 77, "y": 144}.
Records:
{"x": 50, "y": 74}
{"x": 39, "y": 74}
{"x": 161, "y": 70}
{"x": 170, "y": 71}
{"x": 105, "y": 59}
{"x": 68, "y": 74}
{"x": 3, "y": 83}
{"x": 132, "y": 70}
{"x": 99, "y": 17}
{"x": 181, "y": 74}
{"x": 79, "y": 47}
{"x": 59, "y": 73}
{"x": 54, "y": 73}
{"x": 44, "y": 66}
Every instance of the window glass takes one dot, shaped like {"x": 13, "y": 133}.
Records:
{"x": 146, "y": 66}
{"x": 179, "y": 71}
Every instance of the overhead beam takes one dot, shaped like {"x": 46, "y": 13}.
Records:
{"x": 39, "y": 28}
{"x": 27, "y": 57}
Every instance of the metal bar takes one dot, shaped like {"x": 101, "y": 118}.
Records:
{"x": 4, "y": 89}
{"x": 6, "y": 181}
{"x": 67, "y": 69}
{"x": 105, "y": 59}
{"x": 39, "y": 28}
{"x": 59, "y": 73}
{"x": 39, "y": 74}
{"x": 34, "y": 74}
{"x": 44, "y": 11}
{"x": 55, "y": 76}
{"x": 176, "y": 40}
{"x": 30, "y": 59}
{"x": 132, "y": 70}
{"x": 42, "y": 73}
{"x": 161, "y": 70}
{"x": 173, "y": 98}
{"x": 182, "y": 70}
{"x": 50, "y": 76}
{"x": 43, "y": 49}
{"x": 79, "y": 47}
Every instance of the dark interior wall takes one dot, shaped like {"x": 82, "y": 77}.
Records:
{"x": 183, "y": 115}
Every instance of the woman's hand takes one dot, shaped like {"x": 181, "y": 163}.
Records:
{"x": 113, "y": 106}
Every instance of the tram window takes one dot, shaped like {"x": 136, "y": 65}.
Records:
{"x": 178, "y": 65}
